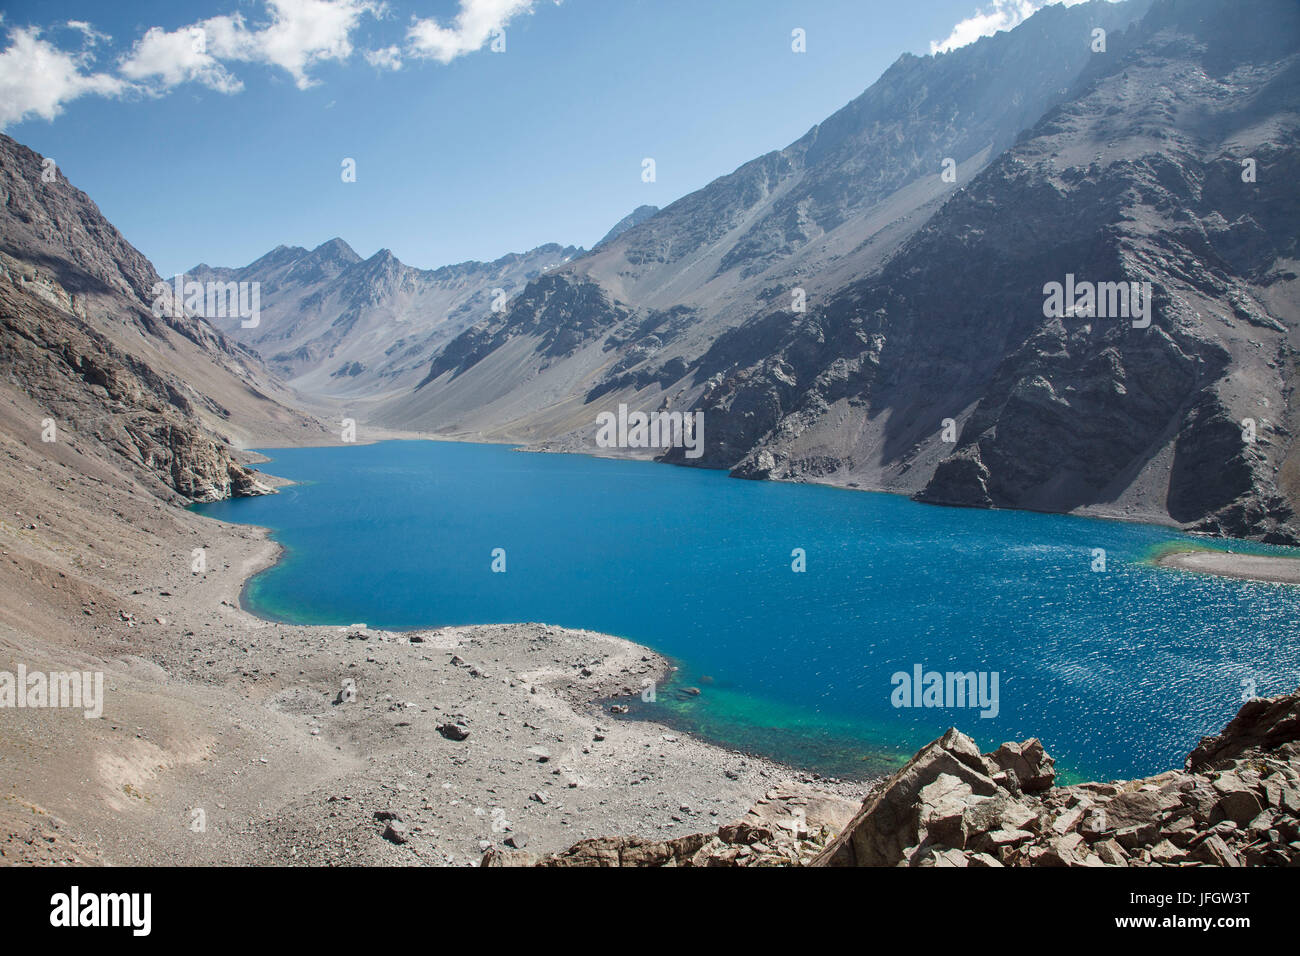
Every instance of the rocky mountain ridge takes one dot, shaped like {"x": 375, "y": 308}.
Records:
{"x": 813, "y": 217}
{"x": 1068, "y": 412}
{"x": 637, "y": 216}
{"x": 89, "y": 362}
{"x": 338, "y": 326}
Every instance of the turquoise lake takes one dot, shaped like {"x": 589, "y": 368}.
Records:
{"x": 1118, "y": 672}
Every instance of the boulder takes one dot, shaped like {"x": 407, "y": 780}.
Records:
{"x": 1262, "y": 724}
{"x": 889, "y": 821}
{"x": 453, "y": 731}
{"x": 629, "y": 851}
{"x": 1033, "y": 768}
{"x": 1241, "y": 806}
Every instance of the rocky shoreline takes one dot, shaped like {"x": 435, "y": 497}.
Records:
{"x": 213, "y": 711}
{"x": 1235, "y": 803}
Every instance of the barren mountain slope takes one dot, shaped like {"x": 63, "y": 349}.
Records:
{"x": 633, "y": 315}
{"x": 86, "y": 361}
{"x": 1169, "y": 160}
{"x": 1138, "y": 178}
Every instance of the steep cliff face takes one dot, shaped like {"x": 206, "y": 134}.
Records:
{"x": 85, "y": 360}
{"x": 1138, "y": 178}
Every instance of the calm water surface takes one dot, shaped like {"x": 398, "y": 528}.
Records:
{"x": 1119, "y": 673}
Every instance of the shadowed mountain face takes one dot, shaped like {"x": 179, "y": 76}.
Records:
{"x": 91, "y": 371}
{"x": 927, "y": 359}
{"x": 1137, "y": 178}
{"x": 814, "y": 216}
{"x": 335, "y": 324}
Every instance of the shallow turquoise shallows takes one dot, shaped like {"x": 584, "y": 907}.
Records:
{"x": 1119, "y": 672}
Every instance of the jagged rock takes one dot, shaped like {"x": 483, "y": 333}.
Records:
{"x": 395, "y": 829}
{"x": 930, "y": 814}
{"x": 951, "y": 806}
{"x": 628, "y": 851}
{"x": 1216, "y": 852}
{"x": 744, "y": 833}
{"x": 889, "y": 821}
{"x": 1111, "y": 853}
{"x": 1033, "y": 768}
{"x": 1239, "y": 805}
{"x": 1261, "y": 724}
{"x": 496, "y": 856}
{"x": 1132, "y": 810}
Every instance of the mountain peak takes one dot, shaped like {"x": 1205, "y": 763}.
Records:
{"x": 336, "y": 248}
{"x": 384, "y": 257}
{"x": 637, "y": 216}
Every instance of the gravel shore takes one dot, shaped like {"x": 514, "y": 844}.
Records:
{"x": 1249, "y": 567}
{"x": 222, "y": 738}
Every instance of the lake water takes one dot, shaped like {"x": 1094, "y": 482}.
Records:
{"x": 1118, "y": 672}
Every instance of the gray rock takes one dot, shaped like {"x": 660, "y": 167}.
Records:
{"x": 454, "y": 731}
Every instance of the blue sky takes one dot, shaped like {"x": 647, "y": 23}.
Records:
{"x": 219, "y": 150}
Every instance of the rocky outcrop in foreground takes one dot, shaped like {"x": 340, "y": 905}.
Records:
{"x": 1236, "y": 802}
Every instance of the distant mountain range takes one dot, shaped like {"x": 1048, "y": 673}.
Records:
{"x": 334, "y": 324}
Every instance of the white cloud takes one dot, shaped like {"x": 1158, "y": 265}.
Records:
{"x": 37, "y": 78}
{"x": 474, "y": 25}
{"x": 988, "y": 20}
{"x": 387, "y": 58}
{"x": 300, "y": 34}
{"x": 165, "y": 59}
{"x": 305, "y": 32}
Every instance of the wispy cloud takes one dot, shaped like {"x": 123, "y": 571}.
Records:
{"x": 987, "y": 20}
{"x": 475, "y": 23}
{"x": 90, "y": 35}
{"x": 385, "y": 58}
